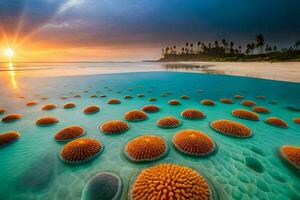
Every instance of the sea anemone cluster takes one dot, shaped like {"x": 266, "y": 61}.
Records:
{"x": 150, "y": 108}
{"x": 275, "y": 121}
{"x": 2, "y": 110}
{"x": 113, "y": 101}
{"x": 81, "y": 150}
{"x": 128, "y": 97}
{"x": 193, "y": 142}
{"x": 11, "y": 118}
{"x": 231, "y": 128}
{"x": 291, "y": 154}
{"x": 245, "y": 114}
{"x": 31, "y": 103}
{"x": 152, "y": 99}
{"x": 114, "y": 127}
{"x": 46, "y": 121}
{"x": 49, "y": 107}
{"x": 146, "y": 148}
{"x": 91, "y": 110}
{"x": 261, "y": 109}
{"x": 226, "y": 100}
{"x": 238, "y": 96}
{"x": 69, "y": 105}
{"x": 135, "y": 115}
{"x": 192, "y": 114}
{"x": 8, "y": 138}
{"x": 170, "y": 181}
{"x": 248, "y": 103}
{"x": 297, "y": 120}
{"x": 168, "y": 122}
{"x": 208, "y": 102}
{"x": 174, "y": 102}
{"x": 69, "y": 133}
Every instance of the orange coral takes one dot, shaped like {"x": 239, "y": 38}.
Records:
{"x": 151, "y": 108}
{"x": 297, "y": 120}
{"x": 80, "y": 150}
{"x": 114, "y": 127}
{"x": 69, "y": 133}
{"x": 291, "y": 154}
{"x": 49, "y": 107}
{"x": 9, "y": 137}
{"x": 128, "y": 97}
{"x": 168, "y": 122}
{"x": 248, "y": 103}
{"x": 91, "y": 110}
{"x": 31, "y": 103}
{"x": 170, "y": 181}
{"x": 231, "y": 128}
{"x": 114, "y": 101}
{"x": 174, "y": 102}
{"x": 135, "y": 115}
{"x": 245, "y": 114}
{"x": 193, "y": 142}
{"x": 208, "y": 102}
{"x": 145, "y": 148}
{"x": 238, "y": 97}
{"x": 193, "y": 114}
{"x": 69, "y": 105}
{"x": 226, "y": 100}
{"x": 261, "y": 109}
{"x": 46, "y": 121}
{"x": 275, "y": 121}
{"x": 11, "y": 118}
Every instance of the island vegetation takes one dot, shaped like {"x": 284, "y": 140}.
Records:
{"x": 225, "y": 50}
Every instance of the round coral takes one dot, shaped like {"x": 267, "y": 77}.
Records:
{"x": 11, "y": 118}
{"x": 297, "y": 120}
{"x": 69, "y": 105}
{"x": 184, "y": 97}
{"x": 8, "y": 138}
{"x": 81, "y": 150}
{"x": 49, "y": 107}
{"x": 192, "y": 114}
{"x": 91, "y": 110}
{"x": 114, "y": 127}
{"x": 168, "y": 122}
{"x": 31, "y": 103}
{"x": 174, "y": 102}
{"x": 248, "y": 103}
{"x": 291, "y": 154}
{"x": 245, "y": 114}
{"x": 275, "y": 121}
{"x": 231, "y": 128}
{"x": 46, "y": 121}
{"x": 170, "y": 181}
{"x": 208, "y": 102}
{"x": 151, "y": 108}
{"x": 226, "y": 100}
{"x": 135, "y": 115}
{"x": 69, "y": 133}
{"x": 238, "y": 96}
{"x": 193, "y": 142}
{"x": 261, "y": 109}
{"x": 146, "y": 148}
{"x": 113, "y": 101}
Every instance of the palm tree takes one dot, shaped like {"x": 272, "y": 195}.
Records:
{"x": 216, "y": 44}
{"x": 240, "y": 49}
{"x": 209, "y": 45}
{"x": 199, "y": 44}
{"x": 260, "y": 42}
{"x": 275, "y": 48}
{"x": 186, "y": 47}
{"x": 182, "y": 50}
{"x": 231, "y": 47}
{"x": 225, "y": 44}
{"x": 174, "y": 48}
{"x": 192, "y": 51}
{"x": 297, "y": 44}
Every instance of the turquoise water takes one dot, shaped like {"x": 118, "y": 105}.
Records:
{"x": 31, "y": 169}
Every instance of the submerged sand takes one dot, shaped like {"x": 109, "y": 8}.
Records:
{"x": 283, "y": 71}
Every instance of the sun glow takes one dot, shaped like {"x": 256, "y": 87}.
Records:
{"x": 9, "y": 52}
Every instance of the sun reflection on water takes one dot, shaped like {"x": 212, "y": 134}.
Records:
{"x": 12, "y": 75}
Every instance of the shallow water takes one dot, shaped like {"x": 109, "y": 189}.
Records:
{"x": 31, "y": 169}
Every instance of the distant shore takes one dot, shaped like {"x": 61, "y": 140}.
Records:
{"x": 283, "y": 71}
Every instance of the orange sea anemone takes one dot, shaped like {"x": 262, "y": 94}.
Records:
{"x": 238, "y": 96}
{"x": 152, "y": 99}
{"x": 168, "y": 122}
{"x": 113, "y": 101}
{"x": 245, "y": 114}
{"x": 169, "y": 180}
{"x": 208, "y": 102}
{"x": 2, "y": 111}
{"x": 231, "y": 128}
{"x": 174, "y": 102}
{"x": 248, "y": 103}
{"x": 184, "y": 97}
{"x": 297, "y": 120}
{"x": 69, "y": 105}
{"x": 91, "y": 110}
{"x": 8, "y": 138}
{"x": 151, "y": 108}
{"x": 291, "y": 154}
{"x": 275, "y": 121}
{"x": 49, "y": 107}
{"x": 261, "y": 109}
{"x": 114, "y": 127}
{"x": 135, "y": 115}
{"x": 193, "y": 142}
{"x": 46, "y": 121}
{"x": 69, "y": 133}
{"x": 31, "y": 103}
{"x": 11, "y": 118}
{"x": 81, "y": 150}
{"x": 146, "y": 148}
{"x": 128, "y": 97}
{"x": 226, "y": 100}
{"x": 192, "y": 114}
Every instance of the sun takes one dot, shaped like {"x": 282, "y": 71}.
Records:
{"x": 9, "y": 52}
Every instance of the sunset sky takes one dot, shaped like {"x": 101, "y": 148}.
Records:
{"x": 102, "y": 30}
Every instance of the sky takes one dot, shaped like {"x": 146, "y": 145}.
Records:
{"x": 118, "y": 30}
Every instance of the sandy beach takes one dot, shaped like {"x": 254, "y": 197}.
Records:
{"x": 283, "y": 71}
